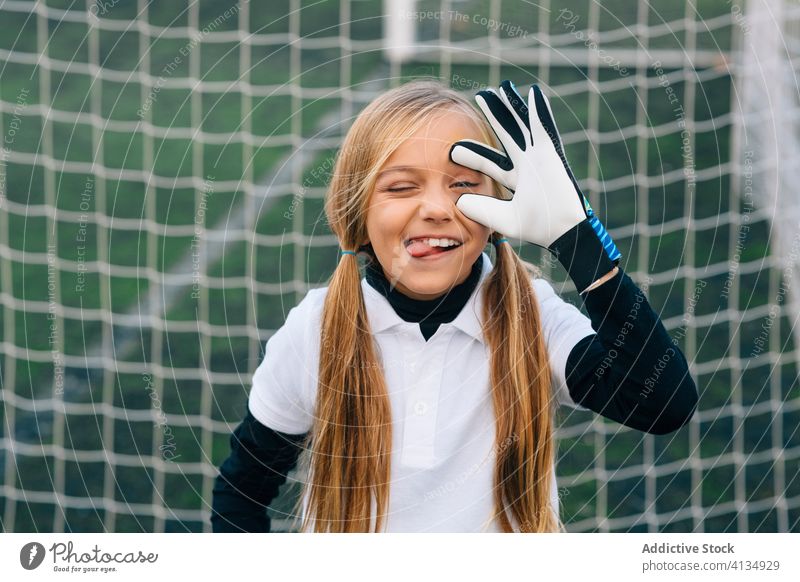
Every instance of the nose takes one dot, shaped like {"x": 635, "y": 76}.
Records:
{"x": 437, "y": 204}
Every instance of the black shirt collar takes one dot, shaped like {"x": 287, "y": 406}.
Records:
{"x": 443, "y": 309}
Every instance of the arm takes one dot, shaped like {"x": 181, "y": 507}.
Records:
{"x": 630, "y": 370}
{"x": 266, "y": 445}
{"x": 251, "y": 476}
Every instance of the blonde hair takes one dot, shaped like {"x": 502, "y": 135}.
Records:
{"x": 350, "y": 442}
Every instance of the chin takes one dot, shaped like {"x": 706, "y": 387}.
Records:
{"x": 425, "y": 286}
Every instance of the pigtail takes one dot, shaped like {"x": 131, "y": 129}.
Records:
{"x": 352, "y": 433}
{"x": 521, "y": 394}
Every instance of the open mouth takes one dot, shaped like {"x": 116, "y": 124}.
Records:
{"x": 425, "y": 247}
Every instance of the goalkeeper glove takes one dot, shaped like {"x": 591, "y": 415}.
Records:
{"x": 548, "y": 208}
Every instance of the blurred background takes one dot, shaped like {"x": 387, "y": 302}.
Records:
{"x": 162, "y": 173}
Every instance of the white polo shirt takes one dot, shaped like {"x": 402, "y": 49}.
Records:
{"x": 443, "y": 445}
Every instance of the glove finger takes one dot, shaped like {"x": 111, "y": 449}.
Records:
{"x": 502, "y": 121}
{"x": 485, "y": 160}
{"x": 497, "y": 214}
{"x": 515, "y": 99}
{"x": 516, "y": 103}
{"x": 545, "y": 133}
{"x": 543, "y": 126}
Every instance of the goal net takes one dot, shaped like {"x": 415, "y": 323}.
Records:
{"x": 162, "y": 173}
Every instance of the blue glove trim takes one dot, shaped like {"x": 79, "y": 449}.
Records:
{"x": 582, "y": 254}
{"x": 605, "y": 238}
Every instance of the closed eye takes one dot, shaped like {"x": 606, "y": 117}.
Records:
{"x": 466, "y": 184}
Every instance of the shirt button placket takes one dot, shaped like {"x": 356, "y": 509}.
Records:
{"x": 423, "y": 394}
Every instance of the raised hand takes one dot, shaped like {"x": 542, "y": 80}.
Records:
{"x": 547, "y": 208}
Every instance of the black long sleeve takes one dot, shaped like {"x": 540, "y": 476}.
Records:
{"x": 630, "y": 370}
{"x": 251, "y": 476}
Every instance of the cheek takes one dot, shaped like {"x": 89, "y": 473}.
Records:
{"x": 480, "y": 233}
{"x": 387, "y": 216}
{"x": 381, "y": 229}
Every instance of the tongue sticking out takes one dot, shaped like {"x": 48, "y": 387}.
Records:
{"x": 419, "y": 248}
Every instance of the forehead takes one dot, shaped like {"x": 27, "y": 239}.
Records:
{"x": 431, "y": 142}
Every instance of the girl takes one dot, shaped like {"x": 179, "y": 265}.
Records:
{"x": 425, "y": 392}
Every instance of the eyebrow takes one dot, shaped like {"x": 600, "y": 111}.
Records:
{"x": 397, "y": 169}
{"x": 416, "y": 170}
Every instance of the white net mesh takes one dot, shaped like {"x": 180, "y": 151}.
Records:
{"x": 162, "y": 172}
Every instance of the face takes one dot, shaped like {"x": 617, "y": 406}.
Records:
{"x": 414, "y": 201}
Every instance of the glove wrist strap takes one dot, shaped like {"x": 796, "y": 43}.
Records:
{"x": 582, "y": 254}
